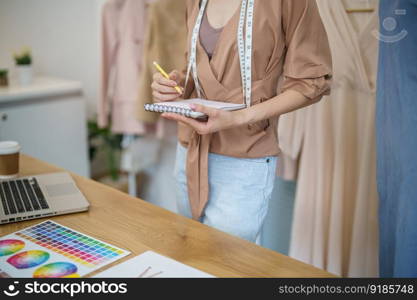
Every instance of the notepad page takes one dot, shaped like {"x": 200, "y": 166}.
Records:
{"x": 213, "y": 104}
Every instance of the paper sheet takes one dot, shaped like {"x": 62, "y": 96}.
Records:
{"x": 152, "y": 265}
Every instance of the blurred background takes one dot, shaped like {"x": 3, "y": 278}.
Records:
{"x": 74, "y": 75}
{"x": 75, "y": 49}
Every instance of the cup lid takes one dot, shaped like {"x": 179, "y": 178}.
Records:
{"x": 9, "y": 147}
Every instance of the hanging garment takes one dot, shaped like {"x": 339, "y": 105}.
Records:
{"x": 397, "y": 138}
{"x": 123, "y": 31}
{"x": 298, "y": 50}
{"x": 165, "y": 43}
{"x": 335, "y": 215}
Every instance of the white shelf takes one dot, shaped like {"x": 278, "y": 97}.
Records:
{"x": 42, "y": 87}
{"x": 48, "y": 120}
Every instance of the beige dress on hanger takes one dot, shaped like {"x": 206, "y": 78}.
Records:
{"x": 335, "y": 216}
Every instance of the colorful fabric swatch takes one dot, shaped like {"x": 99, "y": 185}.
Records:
{"x": 28, "y": 259}
{"x": 8, "y": 247}
{"x": 56, "y": 270}
{"x": 73, "y": 245}
{"x": 50, "y": 250}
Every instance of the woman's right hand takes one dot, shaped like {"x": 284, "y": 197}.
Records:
{"x": 164, "y": 89}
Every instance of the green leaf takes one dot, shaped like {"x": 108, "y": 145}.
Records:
{"x": 109, "y": 142}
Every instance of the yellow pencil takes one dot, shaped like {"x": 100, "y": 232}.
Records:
{"x": 159, "y": 68}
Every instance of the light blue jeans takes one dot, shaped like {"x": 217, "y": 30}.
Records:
{"x": 240, "y": 190}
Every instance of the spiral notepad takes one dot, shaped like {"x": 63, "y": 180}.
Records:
{"x": 183, "y": 107}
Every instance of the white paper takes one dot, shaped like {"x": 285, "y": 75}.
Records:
{"x": 152, "y": 265}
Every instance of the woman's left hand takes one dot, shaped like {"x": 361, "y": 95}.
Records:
{"x": 217, "y": 119}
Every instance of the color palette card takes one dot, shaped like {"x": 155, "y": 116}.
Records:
{"x": 50, "y": 250}
{"x": 152, "y": 265}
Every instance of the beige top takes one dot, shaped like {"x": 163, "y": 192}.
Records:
{"x": 209, "y": 36}
{"x": 288, "y": 39}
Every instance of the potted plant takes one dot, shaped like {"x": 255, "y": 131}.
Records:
{"x": 102, "y": 139}
{"x": 23, "y": 61}
{"x": 4, "y": 81}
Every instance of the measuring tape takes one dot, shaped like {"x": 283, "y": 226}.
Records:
{"x": 244, "y": 47}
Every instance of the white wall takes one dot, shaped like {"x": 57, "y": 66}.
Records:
{"x": 64, "y": 37}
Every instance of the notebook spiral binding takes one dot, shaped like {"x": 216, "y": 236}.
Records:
{"x": 168, "y": 109}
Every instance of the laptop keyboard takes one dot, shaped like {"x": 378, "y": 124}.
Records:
{"x": 22, "y": 195}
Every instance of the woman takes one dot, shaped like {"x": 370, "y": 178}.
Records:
{"x": 226, "y": 166}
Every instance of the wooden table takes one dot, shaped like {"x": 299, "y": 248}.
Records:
{"x": 138, "y": 226}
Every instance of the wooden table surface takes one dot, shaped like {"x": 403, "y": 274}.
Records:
{"x": 138, "y": 226}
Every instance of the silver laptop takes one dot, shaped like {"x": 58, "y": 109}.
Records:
{"x": 39, "y": 196}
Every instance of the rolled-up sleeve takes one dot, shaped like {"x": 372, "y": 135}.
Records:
{"x": 308, "y": 61}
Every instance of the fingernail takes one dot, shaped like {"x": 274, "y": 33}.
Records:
{"x": 193, "y": 107}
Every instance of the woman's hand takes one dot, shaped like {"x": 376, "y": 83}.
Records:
{"x": 220, "y": 119}
{"x": 217, "y": 119}
{"x": 164, "y": 89}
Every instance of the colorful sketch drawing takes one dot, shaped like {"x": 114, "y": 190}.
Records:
{"x": 77, "y": 247}
{"x": 56, "y": 270}
{"x": 28, "y": 259}
{"x": 53, "y": 250}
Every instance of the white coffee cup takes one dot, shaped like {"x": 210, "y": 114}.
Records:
{"x": 9, "y": 159}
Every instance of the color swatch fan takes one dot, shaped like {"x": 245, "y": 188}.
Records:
{"x": 50, "y": 250}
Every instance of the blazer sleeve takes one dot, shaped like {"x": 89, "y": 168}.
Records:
{"x": 308, "y": 61}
